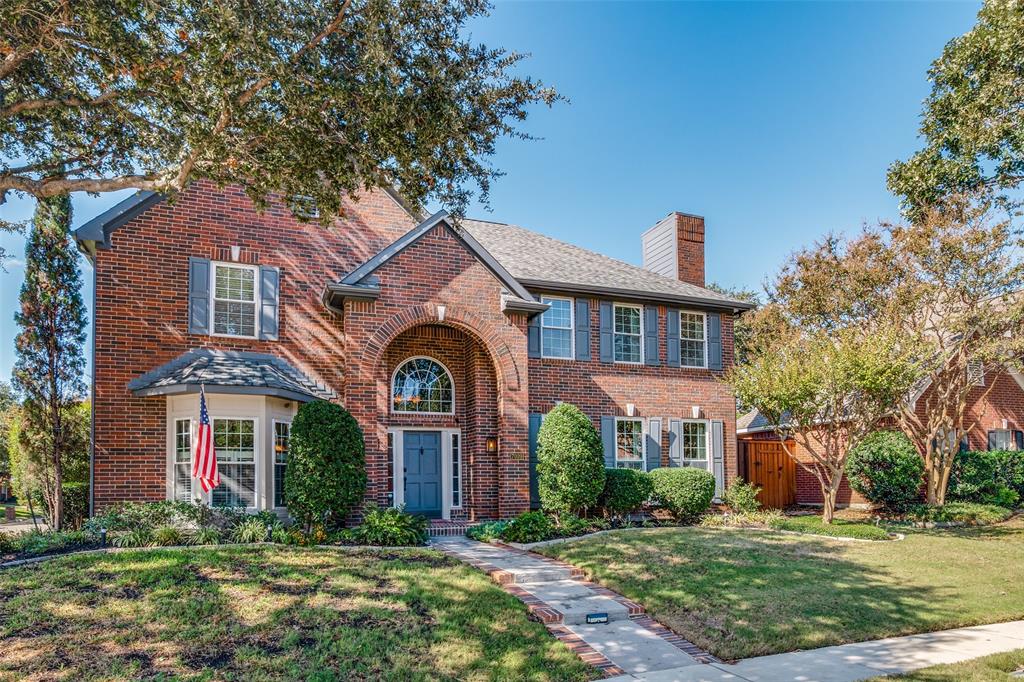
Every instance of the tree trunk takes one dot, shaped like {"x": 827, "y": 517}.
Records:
{"x": 829, "y": 495}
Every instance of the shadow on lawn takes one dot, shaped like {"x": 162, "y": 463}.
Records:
{"x": 741, "y": 594}
{"x": 273, "y": 613}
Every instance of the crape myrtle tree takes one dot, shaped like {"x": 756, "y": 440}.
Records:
{"x": 299, "y": 97}
{"x": 973, "y": 118}
{"x": 824, "y": 392}
{"x": 49, "y": 361}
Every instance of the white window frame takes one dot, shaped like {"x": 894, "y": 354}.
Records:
{"x": 174, "y": 457}
{"x": 1011, "y": 446}
{"x": 257, "y": 449}
{"x": 683, "y": 460}
{"x": 454, "y": 436}
{"x": 643, "y": 442}
{"x": 571, "y": 328}
{"x": 273, "y": 459}
{"x": 640, "y": 309}
{"x": 391, "y": 387}
{"x": 214, "y": 300}
{"x": 682, "y": 338}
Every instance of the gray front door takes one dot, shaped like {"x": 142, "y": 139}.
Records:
{"x": 422, "y": 453}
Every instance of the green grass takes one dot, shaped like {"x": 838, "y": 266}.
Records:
{"x": 270, "y": 613}
{"x": 750, "y": 593}
{"x": 839, "y": 528}
{"x": 994, "y": 668}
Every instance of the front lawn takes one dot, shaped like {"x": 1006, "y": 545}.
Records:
{"x": 994, "y": 668}
{"x": 749, "y": 593}
{"x": 267, "y": 613}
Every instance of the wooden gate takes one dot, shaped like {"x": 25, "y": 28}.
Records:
{"x": 773, "y": 471}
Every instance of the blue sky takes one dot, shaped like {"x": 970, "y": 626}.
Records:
{"x": 774, "y": 120}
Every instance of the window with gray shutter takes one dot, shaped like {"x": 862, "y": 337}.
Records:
{"x": 652, "y": 353}
{"x": 582, "y": 329}
{"x": 714, "y": 341}
{"x": 608, "y": 441}
{"x": 270, "y": 295}
{"x": 199, "y": 295}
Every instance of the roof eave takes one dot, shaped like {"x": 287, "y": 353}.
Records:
{"x": 514, "y": 304}
{"x": 185, "y": 389}
{"x": 571, "y": 287}
{"x": 94, "y": 234}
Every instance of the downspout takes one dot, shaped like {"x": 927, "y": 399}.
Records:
{"x": 325, "y": 299}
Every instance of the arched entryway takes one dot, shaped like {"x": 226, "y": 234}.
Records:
{"x": 443, "y": 408}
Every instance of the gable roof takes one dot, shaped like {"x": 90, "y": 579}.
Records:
{"x": 752, "y": 422}
{"x": 99, "y": 229}
{"x": 541, "y": 262}
{"x": 230, "y": 372}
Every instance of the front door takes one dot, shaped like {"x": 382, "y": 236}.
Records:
{"x": 422, "y": 455}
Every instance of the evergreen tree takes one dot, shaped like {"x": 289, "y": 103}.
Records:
{"x": 50, "y": 362}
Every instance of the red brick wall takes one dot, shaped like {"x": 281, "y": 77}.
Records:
{"x": 602, "y": 389}
{"x": 690, "y": 233}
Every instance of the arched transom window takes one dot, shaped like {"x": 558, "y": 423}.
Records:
{"x": 422, "y": 385}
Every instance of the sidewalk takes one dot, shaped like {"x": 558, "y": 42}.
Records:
{"x": 631, "y": 646}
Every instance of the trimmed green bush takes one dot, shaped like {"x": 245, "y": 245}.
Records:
{"x": 390, "y": 527}
{"x": 326, "y": 473}
{"x": 487, "y": 531}
{"x": 967, "y": 513}
{"x": 625, "y": 491}
{"x": 570, "y": 461}
{"x": 886, "y": 469}
{"x": 529, "y": 527}
{"x": 685, "y": 493}
{"x": 741, "y": 497}
{"x": 993, "y": 477}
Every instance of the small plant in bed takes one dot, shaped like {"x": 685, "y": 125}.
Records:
{"x": 741, "y": 497}
{"x": 961, "y": 513}
{"x": 390, "y": 527}
{"x": 685, "y": 493}
{"x": 487, "y": 531}
{"x": 529, "y": 527}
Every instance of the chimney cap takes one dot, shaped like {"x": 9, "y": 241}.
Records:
{"x": 669, "y": 215}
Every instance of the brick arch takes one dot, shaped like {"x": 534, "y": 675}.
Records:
{"x": 459, "y": 318}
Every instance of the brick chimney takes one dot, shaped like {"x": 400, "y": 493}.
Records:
{"x": 675, "y": 248}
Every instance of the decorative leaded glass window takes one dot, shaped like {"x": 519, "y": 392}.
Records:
{"x": 423, "y": 385}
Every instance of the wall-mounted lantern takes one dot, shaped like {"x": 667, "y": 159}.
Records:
{"x": 236, "y": 253}
{"x": 491, "y": 444}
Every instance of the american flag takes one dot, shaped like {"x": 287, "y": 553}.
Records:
{"x": 204, "y": 463}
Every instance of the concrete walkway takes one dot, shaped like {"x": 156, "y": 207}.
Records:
{"x": 851, "y": 662}
{"x": 631, "y": 646}
{"x": 625, "y": 642}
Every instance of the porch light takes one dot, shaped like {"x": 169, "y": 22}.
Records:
{"x": 491, "y": 444}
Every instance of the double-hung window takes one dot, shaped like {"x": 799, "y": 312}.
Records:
{"x": 693, "y": 339}
{"x": 282, "y": 439}
{"x": 234, "y": 299}
{"x": 629, "y": 444}
{"x": 183, "y": 460}
{"x": 694, "y": 446}
{"x": 235, "y": 440}
{"x": 556, "y": 328}
{"x": 628, "y": 333}
{"x": 1003, "y": 439}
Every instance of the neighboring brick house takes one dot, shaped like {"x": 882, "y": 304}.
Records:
{"x": 996, "y": 409}
{"x": 446, "y": 342}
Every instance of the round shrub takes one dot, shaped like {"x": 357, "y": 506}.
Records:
{"x": 326, "y": 473}
{"x": 685, "y": 493}
{"x": 886, "y": 469}
{"x": 528, "y": 527}
{"x": 570, "y": 461}
{"x": 988, "y": 477}
{"x": 625, "y": 491}
{"x": 741, "y": 497}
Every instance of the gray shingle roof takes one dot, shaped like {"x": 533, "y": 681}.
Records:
{"x": 538, "y": 261}
{"x": 755, "y": 421}
{"x": 230, "y": 372}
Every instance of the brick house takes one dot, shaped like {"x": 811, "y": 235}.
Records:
{"x": 995, "y": 408}
{"x": 447, "y": 342}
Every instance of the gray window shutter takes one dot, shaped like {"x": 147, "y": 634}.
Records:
{"x": 270, "y": 296}
{"x": 714, "y": 341}
{"x": 606, "y": 331}
{"x": 533, "y": 337}
{"x": 672, "y": 334}
{"x": 608, "y": 439}
{"x": 675, "y": 443}
{"x": 718, "y": 456}
{"x": 582, "y": 329}
{"x": 652, "y": 356}
{"x": 198, "y": 295}
{"x": 1018, "y": 439}
{"x": 653, "y": 444}
{"x": 535, "y": 421}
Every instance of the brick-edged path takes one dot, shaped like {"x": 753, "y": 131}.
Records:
{"x": 556, "y": 594}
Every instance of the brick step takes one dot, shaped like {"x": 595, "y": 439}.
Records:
{"x": 447, "y": 529}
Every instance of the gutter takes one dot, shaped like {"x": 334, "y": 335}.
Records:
{"x": 714, "y": 304}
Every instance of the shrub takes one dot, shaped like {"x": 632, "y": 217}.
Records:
{"x": 967, "y": 513}
{"x": 625, "y": 491}
{"x": 151, "y": 515}
{"x": 326, "y": 474}
{"x": 280, "y": 535}
{"x": 741, "y": 497}
{"x": 37, "y": 543}
{"x": 886, "y": 469}
{"x": 390, "y": 527}
{"x": 206, "y": 536}
{"x": 139, "y": 537}
{"x": 165, "y": 536}
{"x": 985, "y": 477}
{"x": 76, "y": 503}
{"x": 487, "y": 531}
{"x": 769, "y": 518}
{"x": 685, "y": 493}
{"x": 570, "y": 525}
{"x": 8, "y": 544}
{"x": 528, "y": 527}
{"x": 570, "y": 461}
{"x": 250, "y": 530}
